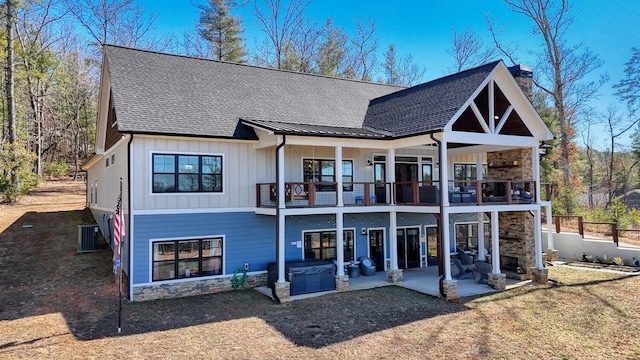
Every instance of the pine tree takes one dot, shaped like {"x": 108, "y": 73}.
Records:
{"x": 391, "y": 66}
{"x": 222, "y": 30}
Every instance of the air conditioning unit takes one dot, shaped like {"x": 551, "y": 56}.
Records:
{"x": 87, "y": 238}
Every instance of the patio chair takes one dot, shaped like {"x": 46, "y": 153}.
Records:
{"x": 464, "y": 271}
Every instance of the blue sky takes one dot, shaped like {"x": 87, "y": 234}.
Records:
{"x": 423, "y": 29}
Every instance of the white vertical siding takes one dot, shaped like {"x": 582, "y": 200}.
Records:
{"x": 240, "y": 174}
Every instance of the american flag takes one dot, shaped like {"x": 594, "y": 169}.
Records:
{"x": 118, "y": 223}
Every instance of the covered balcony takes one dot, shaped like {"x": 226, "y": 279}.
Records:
{"x": 407, "y": 193}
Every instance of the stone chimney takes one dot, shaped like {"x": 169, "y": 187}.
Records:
{"x": 524, "y": 78}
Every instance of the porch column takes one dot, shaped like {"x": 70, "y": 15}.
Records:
{"x": 550, "y": 244}
{"x": 481, "y": 247}
{"x": 393, "y": 242}
{"x": 535, "y": 156}
{"x": 443, "y": 174}
{"x": 339, "y": 175}
{"x": 391, "y": 176}
{"x": 537, "y": 228}
{"x": 495, "y": 243}
{"x": 340, "y": 244}
{"x": 281, "y": 216}
{"x": 446, "y": 243}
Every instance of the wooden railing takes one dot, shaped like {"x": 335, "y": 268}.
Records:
{"x": 319, "y": 194}
{"x": 417, "y": 193}
{"x": 601, "y": 230}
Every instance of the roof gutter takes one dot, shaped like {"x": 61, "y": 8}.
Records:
{"x": 441, "y": 161}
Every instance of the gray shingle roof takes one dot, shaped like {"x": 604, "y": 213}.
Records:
{"x": 304, "y": 129}
{"x": 168, "y": 94}
{"x": 426, "y": 107}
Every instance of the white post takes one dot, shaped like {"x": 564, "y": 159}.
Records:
{"x": 536, "y": 172}
{"x": 446, "y": 244}
{"x": 393, "y": 239}
{"x": 391, "y": 175}
{"x": 550, "y": 244}
{"x": 495, "y": 243}
{"x": 443, "y": 170}
{"x": 340, "y": 243}
{"x": 339, "y": 176}
{"x": 281, "y": 216}
{"x": 481, "y": 247}
{"x": 538, "y": 238}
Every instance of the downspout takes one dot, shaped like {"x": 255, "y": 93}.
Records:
{"x": 278, "y": 195}
{"x": 441, "y": 161}
{"x": 129, "y": 277}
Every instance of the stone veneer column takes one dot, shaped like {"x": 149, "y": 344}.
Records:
{"x": 515, "y": 224}
{"x": 450, "y": 289}
{"x": 497, "y": 281}
{"x": 342, "y": 282}
{"x": 283, "y": 291}
{"x": 540, "y": 276}
{"x": 394, "y": 276}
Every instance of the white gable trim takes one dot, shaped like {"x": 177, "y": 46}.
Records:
{"x": 516, "y": 97}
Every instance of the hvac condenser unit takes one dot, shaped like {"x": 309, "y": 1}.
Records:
{"x": 87, "y": 238}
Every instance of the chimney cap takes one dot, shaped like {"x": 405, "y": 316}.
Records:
{"x": 521, "y": 70}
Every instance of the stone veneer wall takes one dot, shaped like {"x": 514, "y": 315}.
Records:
{"x": 195, "y": 287}
{"x": 515, "y": 224}
{"x": 518, "y": 224}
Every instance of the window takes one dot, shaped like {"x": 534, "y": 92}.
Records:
{"x": 177, "y": 259}
{"x": 426, "y": 170}
{"x": 467, "y": 172}
{"x": 187, "y": 173}
{"x": 106, "y": 162}
{"x": 322, "y": 245}
{"x": 113, "y": 159}
{"x": 316, "y": 170}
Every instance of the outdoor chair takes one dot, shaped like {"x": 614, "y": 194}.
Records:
{"x": 464, "y": 271}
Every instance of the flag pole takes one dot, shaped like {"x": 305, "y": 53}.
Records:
{"x": 120, "y": 268}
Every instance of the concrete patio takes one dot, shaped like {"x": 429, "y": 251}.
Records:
{"x": 423, "y": 280}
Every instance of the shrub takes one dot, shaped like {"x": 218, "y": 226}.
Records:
{"x": 605, "y": 260}
{"x": 618, "y": 261}
{"x": 588, "y": 258}
{"x": 59, "y": 169}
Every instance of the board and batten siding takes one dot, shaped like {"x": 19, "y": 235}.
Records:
{"x": 248, "y": 238}
{"x": 241, "y": 171}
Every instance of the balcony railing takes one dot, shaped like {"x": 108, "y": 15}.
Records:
{"x": 425, "y": 193}
{"x": 318, "y": 194}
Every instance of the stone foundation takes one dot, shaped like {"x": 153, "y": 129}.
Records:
{"x": 450, "y": 289}
{"x": 497, "y": 281}
{"x": 394, "y": 276}
{"x": 342, "y": 283}
{"x": 193, "y": 287}
{"x": 283, "y": 291}
{"x": 540, "y": 276}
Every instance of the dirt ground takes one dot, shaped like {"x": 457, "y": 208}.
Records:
{"x": 55, "y": 303}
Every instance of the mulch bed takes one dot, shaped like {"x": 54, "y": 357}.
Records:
{"x": 594, "y": 265}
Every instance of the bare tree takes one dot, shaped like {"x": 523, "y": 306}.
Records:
{"x": 303, "y": 49}
{"x": 468, "y": 50}
{"x": 278, "y": 27}
{"x": 36, "y": 36}
{"x": 364, "y": 44}
{"x": 401, "y": 72}
{"x": 616, "y": 127}
{"x": 118, "y": 22}
{"x": 561, "y": 69}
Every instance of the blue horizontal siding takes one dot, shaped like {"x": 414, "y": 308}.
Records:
{"x": 249, "y": 238}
